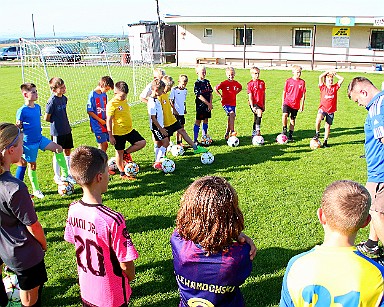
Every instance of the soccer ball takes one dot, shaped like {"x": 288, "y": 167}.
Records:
{"x": 11, "y": 285}
{"x": 177, "y": 150}
{"x": 282, "y": 139}
{"x": 258, "y": 140}
{"x": 206, "y": 140}
{"x": 131, "y": 169}
{"x": 168, "y": 166}
{"x": 112, "y": 166}
{"x": 314, "y": 144}
{"x": 65, "y": 188}
{"x": 169, "y": 148}
{"x": 233, "y": 141}
{"x": 207, "y": 158}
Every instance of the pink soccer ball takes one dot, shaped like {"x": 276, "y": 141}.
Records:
{"x": 282, "y": 139}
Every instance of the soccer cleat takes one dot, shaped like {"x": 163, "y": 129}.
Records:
{"x": 157, "y": 165}
{"x": 325, "y": 144}
{"x": 69, "y": 178}
{"x": 363, "y": 248}
{"x": 253, "y": 133}
{"x": 200, "y": 149}
{"x": 226, "y": 136}
{"x": 316, "y": 137}
{"x": 38, "y": 194}
{"x": 290, "y": 138}
{"x": 127, "y": 157}
{"x": 126, "y": 177}
{"x": 233, "y": 133}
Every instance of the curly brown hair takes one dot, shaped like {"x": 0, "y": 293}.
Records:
{"x": 209, "y": 214}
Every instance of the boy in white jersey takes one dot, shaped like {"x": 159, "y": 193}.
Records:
{"x": 104, "y": 249}
{"x": 177, "y": 99}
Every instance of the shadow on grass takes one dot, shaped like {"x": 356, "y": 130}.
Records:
{"x": 149, "y": 223}
{"x": 53, "y": 295}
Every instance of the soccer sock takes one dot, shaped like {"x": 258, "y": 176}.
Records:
{"x": 160, "y": 153}
{"x": 290, "y": 133}
{"x": 33, "y": 178}
{"x": 205, "y": 128}
{"x": 156, "y": 150}
{"x": 67, "y": 160}
{"x": 370, "y": 243}
{"x": 20, "y": 172}
{"x": 258, "y": 120}
{"x": 61, "y": 161}
{"x": 196, "y": 130}
{"x": 56, "y": 167}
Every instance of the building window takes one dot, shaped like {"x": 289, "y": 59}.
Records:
{"x": 302, "y": 37}
{"x": 239, "y": 36}
{"x": 208, "y": 32}
{"x": 377, "y": 39}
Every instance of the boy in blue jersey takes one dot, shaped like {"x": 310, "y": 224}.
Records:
{"x": 336, "y": 273}
{"x": 61, "y": 131}
{"x": 96, "y": 109}
{"x": 362, "y": 91}
{"x": 28, "y": 118}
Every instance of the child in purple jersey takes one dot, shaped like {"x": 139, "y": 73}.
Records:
{"x": 104, "y": 249}
{"x": 210, "y": 265}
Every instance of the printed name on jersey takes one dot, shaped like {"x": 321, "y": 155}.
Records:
{"x": 205, "y": 287}
{"x": 81, "y": 223}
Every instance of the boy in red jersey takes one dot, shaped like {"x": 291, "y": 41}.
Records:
{"x": 328, "y": 103}
{"x": 229, "y": 89}
{"x": 293, "y": 100}
{"x": 104, "y": 249}
{"x": 256, "y": 99}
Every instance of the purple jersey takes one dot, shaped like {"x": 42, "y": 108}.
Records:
{"x": 213, "y": 280}
{"x": 102, "y": 241}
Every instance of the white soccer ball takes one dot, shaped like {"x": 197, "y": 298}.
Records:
{"x": 169, "y": 148}
{"x": 206, "y": 140}
{"x": 314, "y": 144}
{"x": 207, "y": 158}
{"x": 233, "y": 141}
{"x": 258, "y": 140}
{"x": 12, "y": 288}
{"x": 65, "y": 188}
{"x": 177, "y": 150}
{"x": 282, "y": 139}
{"x": 168, "y": 166}
{"x": 131, "y": 169}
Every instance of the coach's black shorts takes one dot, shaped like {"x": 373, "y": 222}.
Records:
{"x": 132, "y": 137}
{"x": 32, "y": 277}
{"x": 289, "y": 110}
{"x": 180, "y": 119}
{"x": 65, "y": 140}
{"x": 173, "y": 128}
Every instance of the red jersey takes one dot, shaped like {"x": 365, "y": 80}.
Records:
{"x": 257, "y": 89}
{"x": 102, "y": 241}
{"x": 229, "y": 90}
{"x": 328, "y": 97}
{"x": 294, "y": 90}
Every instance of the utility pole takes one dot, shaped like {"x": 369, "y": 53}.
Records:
{"x": 161, "y": 34}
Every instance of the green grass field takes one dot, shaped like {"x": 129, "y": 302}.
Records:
{"x": 279, "y": 187}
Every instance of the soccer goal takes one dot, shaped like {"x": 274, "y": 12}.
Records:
{"x": 81, "y": 63}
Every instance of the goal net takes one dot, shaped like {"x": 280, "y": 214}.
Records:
{"x": 81, "y": 63}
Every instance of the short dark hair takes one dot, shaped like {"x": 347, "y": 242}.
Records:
{"x": 209, "y": 214}
{"x": 157, "y": 84}
{"x": 122, "y": 87}
{"x": 86, "y": 162}
{"x": 106, "y": 81}
{"x": 355, "y": 81}
{"x": 26, "y": 87}
{"x": 55, "y": 83}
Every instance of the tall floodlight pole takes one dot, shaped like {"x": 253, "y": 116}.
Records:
{"x": 160, "y": 32}
{"x": 33, "y": 26}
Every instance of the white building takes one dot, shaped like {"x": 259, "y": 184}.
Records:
{"x": 279, "y": 40}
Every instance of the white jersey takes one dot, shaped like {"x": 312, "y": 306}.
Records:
{"x": 179, "y": 96}
{"x": 154, "y": 108}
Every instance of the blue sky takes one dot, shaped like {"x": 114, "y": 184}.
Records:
{"x": 79, "y": 17}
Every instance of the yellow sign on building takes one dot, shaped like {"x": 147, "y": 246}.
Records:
{"x": 341, "y": 31}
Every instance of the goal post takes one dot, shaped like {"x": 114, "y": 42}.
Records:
{"x": 81, "y": 63}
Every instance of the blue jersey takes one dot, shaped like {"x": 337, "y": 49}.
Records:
{"x": 374, "y": 131}
{"x": 57, "y": 108}
{"x": 203, "y": 88}
{"x": 30, "y": 119}
{"x": 333, "y": 276}
{"x": 212, "y": 280}
{"x": 97, "y": 103}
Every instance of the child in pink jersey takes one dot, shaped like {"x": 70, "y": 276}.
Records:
{"x": 104, "y": 249}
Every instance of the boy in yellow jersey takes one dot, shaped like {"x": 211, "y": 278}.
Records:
{"x": 170, "y": 122}
{"x": 335, "y": 273}
{"x": 119, "y": 127}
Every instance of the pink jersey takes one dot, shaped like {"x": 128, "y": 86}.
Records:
{"x": 294, "y": 90}
{"x": 328, "y": 98}
{"x": 102, "y": 241}
{"x": 229, "y": 90}
{"x": 257, "y": 89}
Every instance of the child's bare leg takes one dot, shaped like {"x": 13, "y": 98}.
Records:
{"x": 120, "y": 160}
{"x": 231, "y": 122}
{"x": 136, "y": 146}
{"x": 284, "y": 120}
{"x": 29, "y": 297}
{"x": 327, "y": 130}
{"x": 319, "y": 118}
{"x": 292, "y": 124}
{"x": 103, "y": 146}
